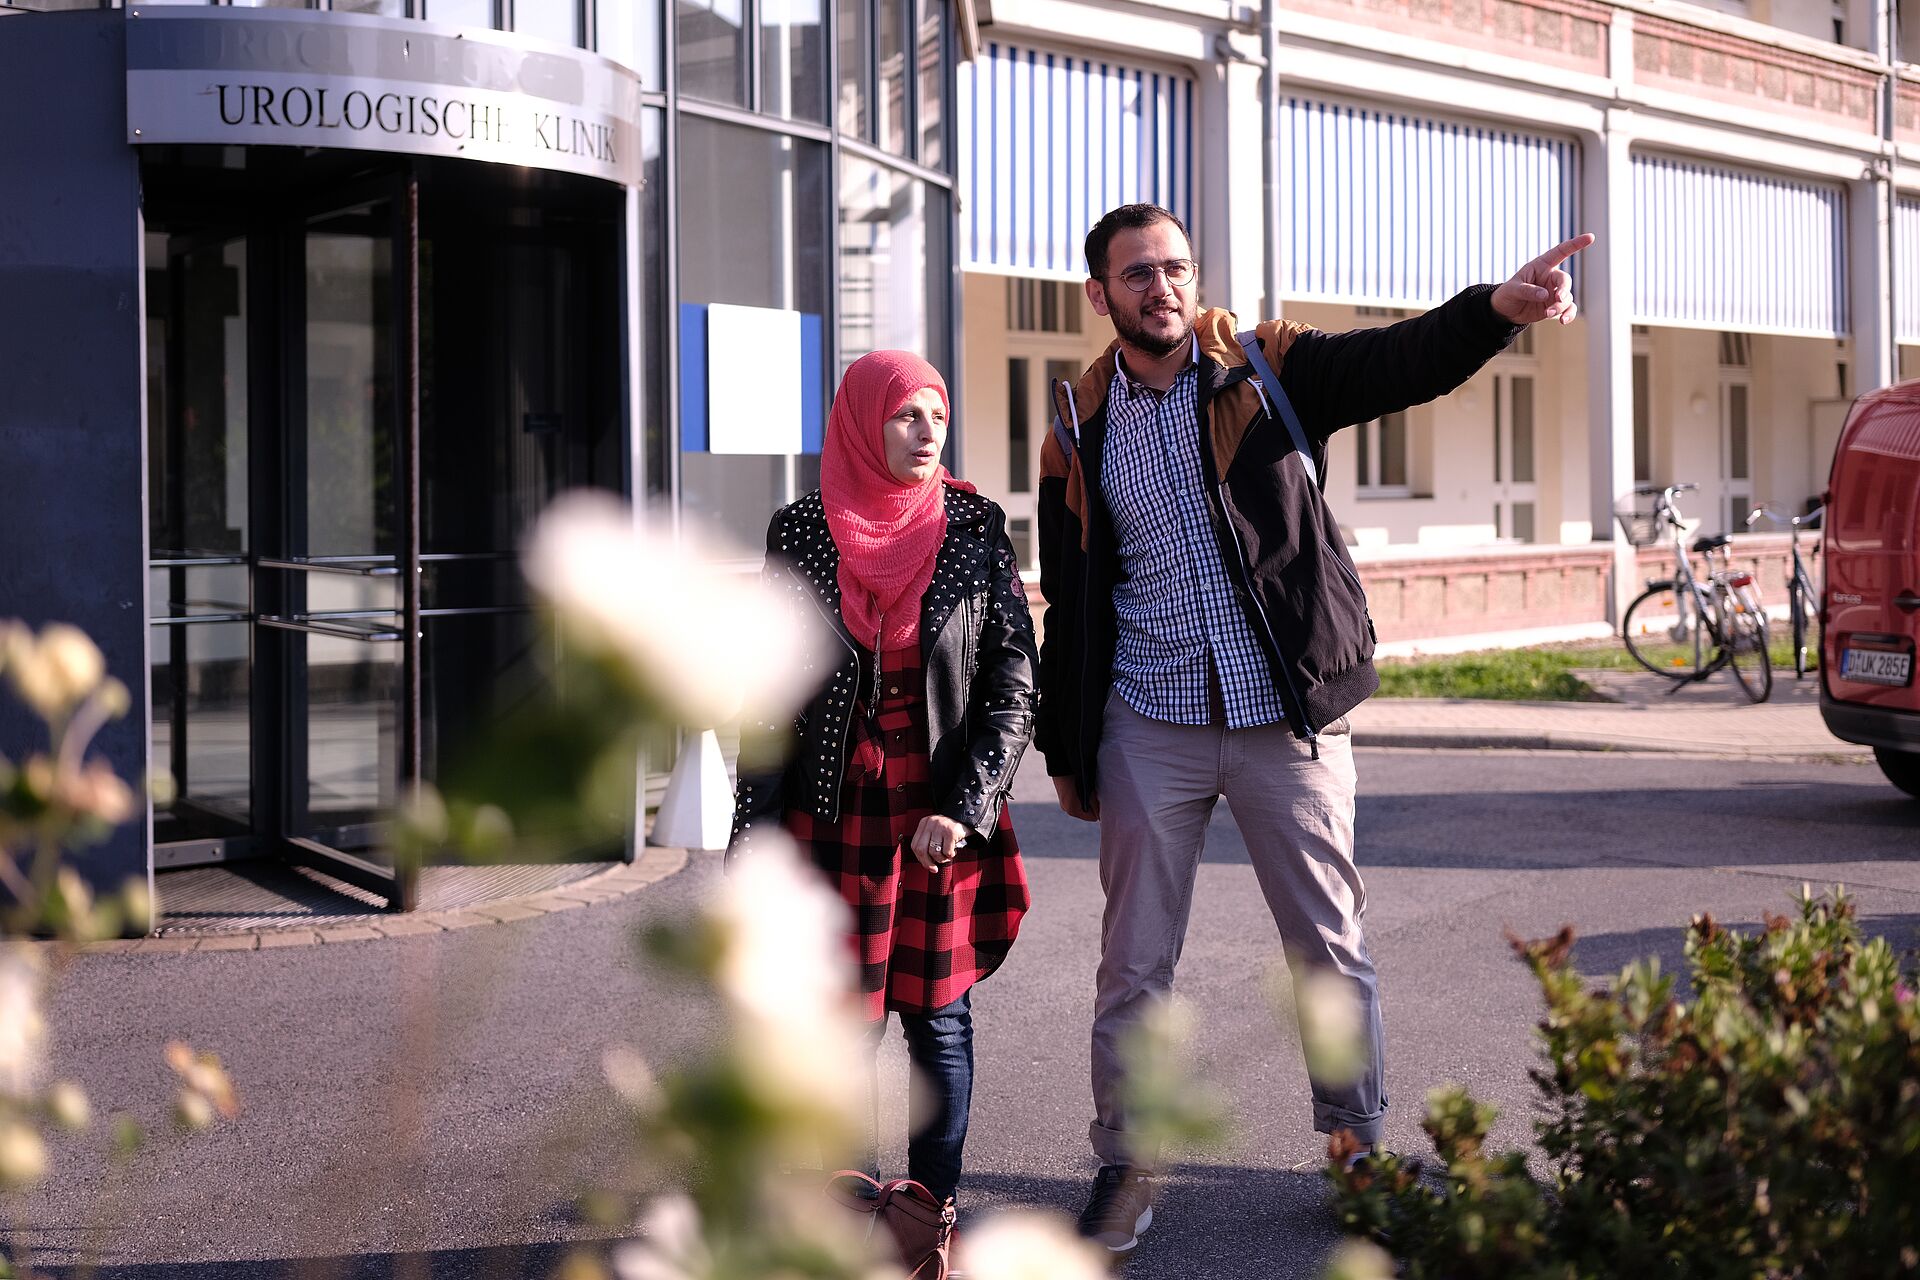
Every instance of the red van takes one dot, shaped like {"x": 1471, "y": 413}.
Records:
{"x": 1870, "y": 614}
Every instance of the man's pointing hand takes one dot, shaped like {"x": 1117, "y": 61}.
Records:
{"x": 1541, "y": 290}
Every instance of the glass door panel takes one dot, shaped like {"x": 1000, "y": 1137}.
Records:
{"x": 199, "y": 589}
{"x": 341, "y": 590}
{"x": 352, "y": 737}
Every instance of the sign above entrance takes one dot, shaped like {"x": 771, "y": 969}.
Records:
{"x": 300, "y": 78}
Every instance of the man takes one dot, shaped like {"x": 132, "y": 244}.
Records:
{"x": 1206, "y": 633}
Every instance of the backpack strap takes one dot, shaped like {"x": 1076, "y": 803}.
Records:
{"x": 1067, "y": 433}
{"x": 1267, "y": 382}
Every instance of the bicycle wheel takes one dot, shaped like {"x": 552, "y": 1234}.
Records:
{"x": 1807, "y": 629}
{"x": 1666, "y": 633}
{"x": 1744, "y": 628}
{"x": 1797, "y": 611}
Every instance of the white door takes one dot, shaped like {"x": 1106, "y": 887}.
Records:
{"x": 1736, "y": 453}
{"x": 1516, "y": 491}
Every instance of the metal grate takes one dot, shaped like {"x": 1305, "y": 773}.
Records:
{"x": 264, "y": 895}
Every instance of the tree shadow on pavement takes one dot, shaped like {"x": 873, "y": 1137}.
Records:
{"x": 1804, "y": 821}
{"x": 1210, "y": 1222}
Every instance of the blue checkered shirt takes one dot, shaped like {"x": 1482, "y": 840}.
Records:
{"x": 1175, "y": 606}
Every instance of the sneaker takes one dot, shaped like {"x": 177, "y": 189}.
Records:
{"x": 1119, "y": 1209}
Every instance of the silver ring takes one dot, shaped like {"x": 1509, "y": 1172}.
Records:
{"x": 939, "y": 847}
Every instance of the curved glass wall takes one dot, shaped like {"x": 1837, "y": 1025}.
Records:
{"x": 797, "y": 159}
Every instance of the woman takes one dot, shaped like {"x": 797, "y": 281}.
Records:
{"x": 894, "y": 778}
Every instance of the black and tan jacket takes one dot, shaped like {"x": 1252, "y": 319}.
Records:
{"x": 1279, "y": 540}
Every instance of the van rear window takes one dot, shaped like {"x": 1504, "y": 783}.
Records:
{"x": 1876, "y": 484}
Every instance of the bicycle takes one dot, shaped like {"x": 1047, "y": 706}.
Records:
{"x": 1801, "y": 600}
{"x": 1686, "y": 628}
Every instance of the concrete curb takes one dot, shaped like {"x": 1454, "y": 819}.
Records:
{"x": 616, "y": 882}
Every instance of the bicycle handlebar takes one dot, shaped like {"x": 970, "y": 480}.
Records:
{"x": 1808, "y": 520}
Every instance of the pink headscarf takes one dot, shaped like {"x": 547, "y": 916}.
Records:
{"x": 888, "y": 533}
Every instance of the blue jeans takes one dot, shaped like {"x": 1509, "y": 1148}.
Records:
{"x": 940, "y": 1046}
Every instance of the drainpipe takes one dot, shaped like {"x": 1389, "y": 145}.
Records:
{"x": 1270, "y": 155}
{"x": 1890, "y": 25}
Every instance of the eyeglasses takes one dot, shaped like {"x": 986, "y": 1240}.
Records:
{"x": 1139, "y": 278}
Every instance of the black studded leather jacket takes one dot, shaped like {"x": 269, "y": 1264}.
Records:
{"x": 976, "y": 642}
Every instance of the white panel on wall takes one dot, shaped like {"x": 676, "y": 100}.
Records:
{"x": 1722, "y": 247}
{"x": 1050, "y": 141}
{"x": 761, "y": 413}
{"x": 1385, "y": 208}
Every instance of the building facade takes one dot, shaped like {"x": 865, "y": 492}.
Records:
{"x": 308, "y": 311}
{"x": 1749, "y": 167}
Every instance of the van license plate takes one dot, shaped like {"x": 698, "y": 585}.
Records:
{"x": 1877, "y": 666}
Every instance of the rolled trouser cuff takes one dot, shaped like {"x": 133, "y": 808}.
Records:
{"x": 1367, "y": 1130}
{"x": 1116, "y": 1146}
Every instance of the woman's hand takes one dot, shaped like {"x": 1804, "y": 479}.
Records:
{"x": 937, "y": 842}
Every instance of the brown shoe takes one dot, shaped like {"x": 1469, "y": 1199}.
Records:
{"x": 1119, "y": 1208}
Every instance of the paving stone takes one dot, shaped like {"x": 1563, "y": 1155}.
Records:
{"x": 173, "y": 945}
{"x": 272, "y": 938}
{"x": 352, "y": 933}
{"x": 462, "y": 919}
{"x": 508, "y": 912}
{"x": 404, "y": 926}
{"x": 222, "y": 942}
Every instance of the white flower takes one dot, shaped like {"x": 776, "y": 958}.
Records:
{"x": 1330, "y": 1029}
{"x": 54, "y": 672}
{"x": 670, "y": 1247}
{"x": 629, "y": 1075}
{"x": 786, "y": 955}
{"x": 23, "y": 1031}
{"x": 711, "y": 644}
{"x": 23, "y": 1157}
{"x": 1360, "y": 1260}
{"x": 787, "y": 977}
{"x": 1029, "y": 1246}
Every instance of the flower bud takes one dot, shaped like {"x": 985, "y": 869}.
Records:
{"x": 23, "y": 1157}
{"x": 67, "y": 1106}
{"x": 192, "y": 1110}
{"x": 137, "y": 905}
{"x": 73, "y": 660}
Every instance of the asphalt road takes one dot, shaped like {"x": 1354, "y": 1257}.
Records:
{"x": 431, "y": 1105}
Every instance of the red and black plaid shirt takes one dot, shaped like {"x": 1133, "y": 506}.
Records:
{"x": 922, "y": 937}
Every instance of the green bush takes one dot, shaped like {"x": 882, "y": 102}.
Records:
{"x": 1768, "y": 1126}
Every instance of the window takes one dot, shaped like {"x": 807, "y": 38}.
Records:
{"x": 853, "y": 110}
{"x": 894, "y": 282}
{"x": 1020, "y": 533}
{"x": 1019, "y": 430}
{"x": 555, "y": 20}
{"x": 1043, "y": 306}
{"x": 1383, "y": 471}
{"x": 894, "y": 48}
{"x": 1736, "y": 350}
{"x": 1642, "y": 418}
{"x": 713, "y": 49}
{"x": 793, "y": 50}
{"x": 630, "y": 32}
{"x": 753, "y": 231}
{"x": 461, "y": 13}
{"x": 931, "y": 62}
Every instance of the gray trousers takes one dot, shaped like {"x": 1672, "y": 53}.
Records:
{"x": 1158, "y": 784}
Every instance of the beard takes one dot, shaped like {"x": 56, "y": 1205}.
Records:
{"x": 1133, "y": 332}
